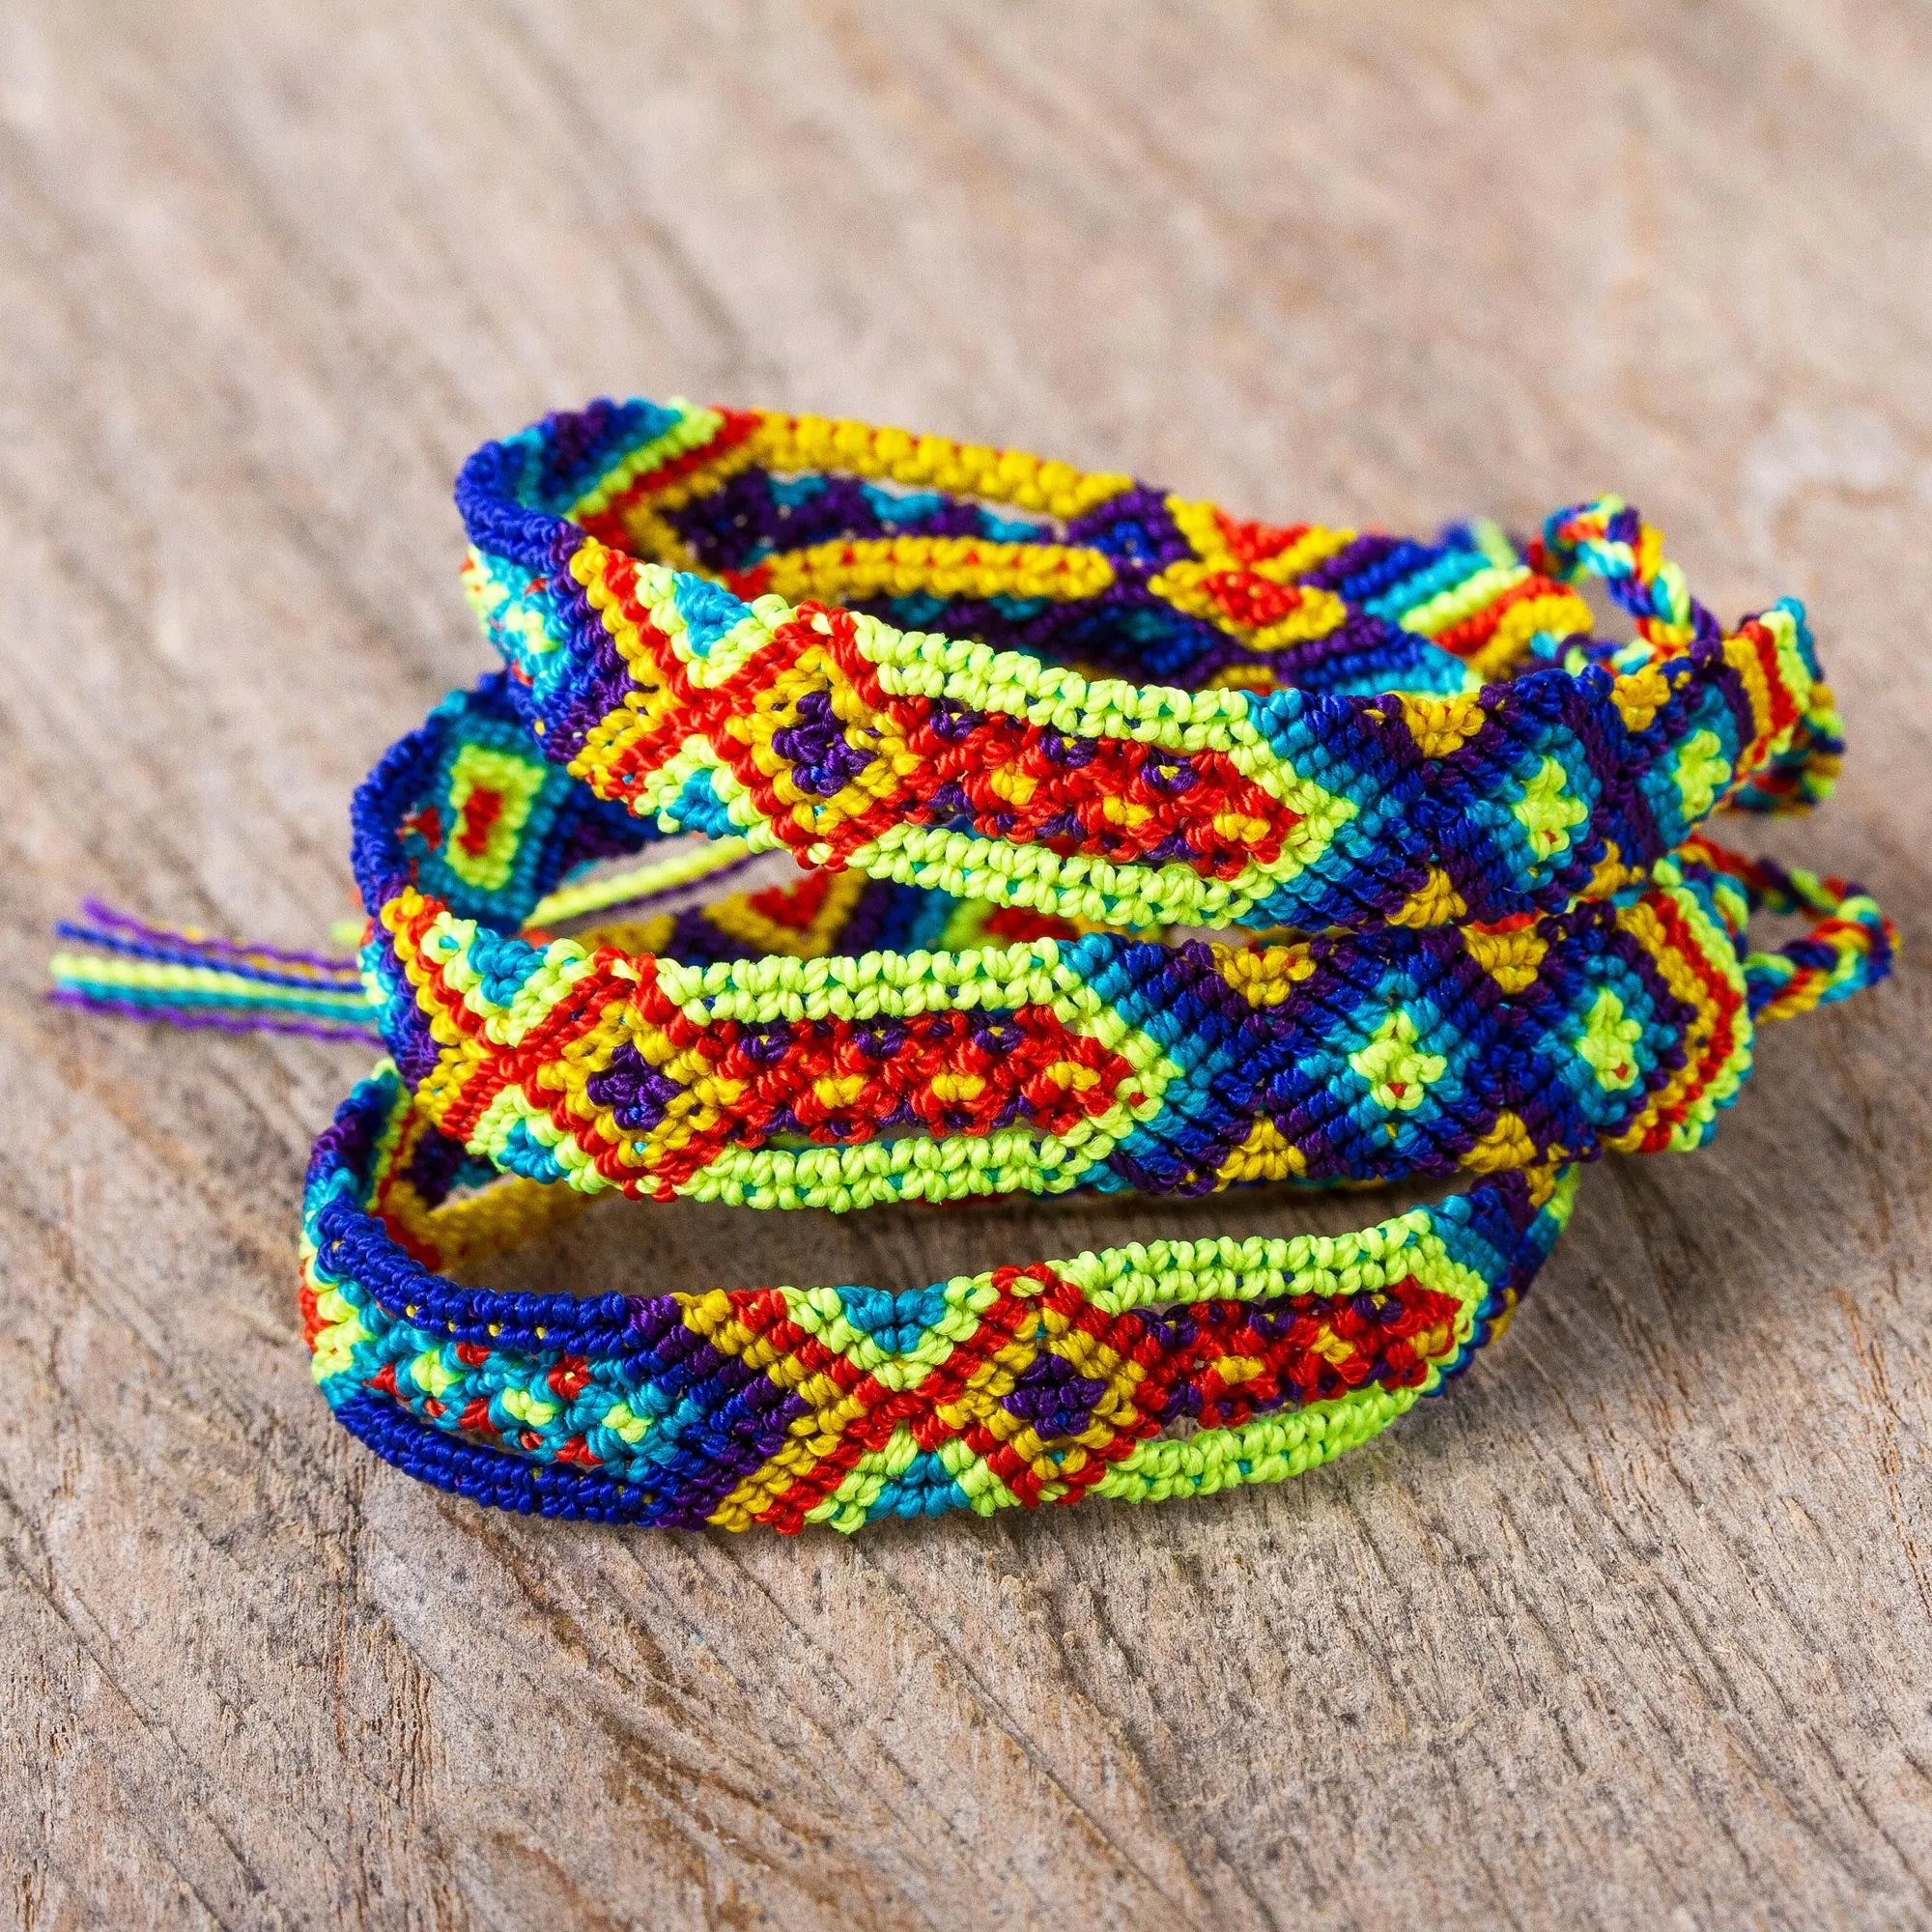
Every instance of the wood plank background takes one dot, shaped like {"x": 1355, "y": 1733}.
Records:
{"x": 1633, "y": 1630}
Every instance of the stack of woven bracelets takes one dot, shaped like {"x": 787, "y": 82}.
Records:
{"x": 1475, "y": 930}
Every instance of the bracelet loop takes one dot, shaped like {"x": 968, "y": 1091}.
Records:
{"x": 1848, "y": 948}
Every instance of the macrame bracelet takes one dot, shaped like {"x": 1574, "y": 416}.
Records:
{"x": 792, "y": 1406}
{"x": 1501, "y": 946}
{"x": 1100, "y": 1059}
{"x": 1277, "y": 790}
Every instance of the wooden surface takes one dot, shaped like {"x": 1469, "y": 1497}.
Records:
{"x": 1633, "y": 1630}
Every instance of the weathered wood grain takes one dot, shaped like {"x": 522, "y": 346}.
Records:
{"x": 1634, "y": 1629}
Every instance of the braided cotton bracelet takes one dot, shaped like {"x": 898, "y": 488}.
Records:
{"x": 1049, "y": 1064}
{"x": 1501, "y": 948}
{"x": 1281, "y": 789}
{"x": 788, "y": 1405}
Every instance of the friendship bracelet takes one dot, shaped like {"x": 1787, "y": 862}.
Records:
{"x": 1099, "y": 1061}
{"x": 1280, "y": 789}
{"x": 1487, "y": 939}
{"x": 784, "y": 1407}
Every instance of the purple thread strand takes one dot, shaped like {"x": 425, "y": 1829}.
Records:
{"x": 200, "y": 1022}
{"x": 103, "y": 913}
